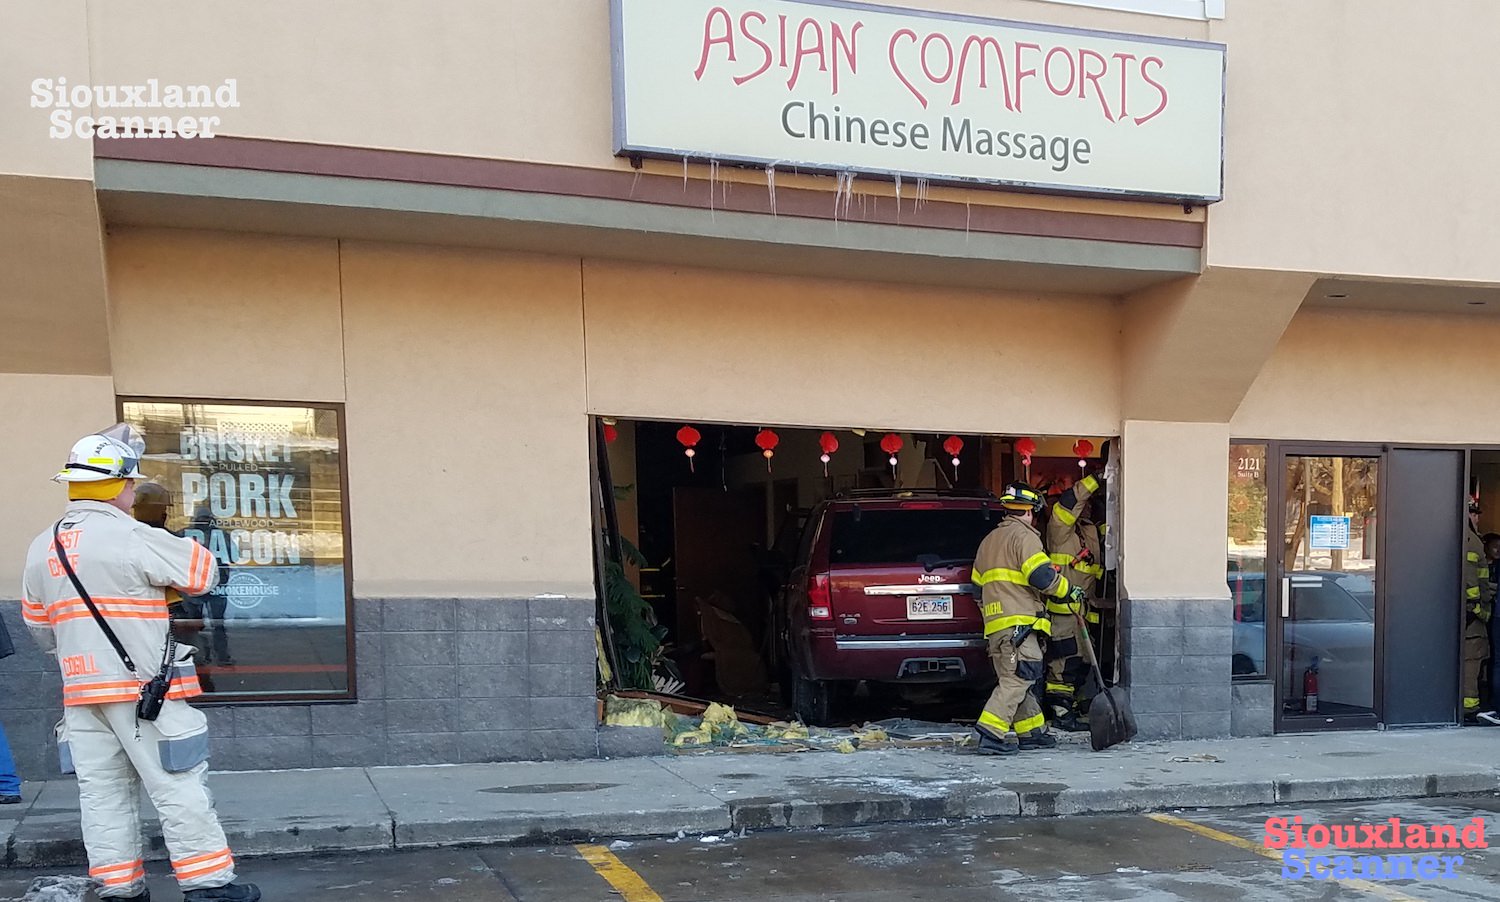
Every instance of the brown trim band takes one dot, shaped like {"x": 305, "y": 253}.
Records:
{"x": 639, "y": 187}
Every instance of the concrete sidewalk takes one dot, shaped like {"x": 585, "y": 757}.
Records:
{"x": 349, "y": 809}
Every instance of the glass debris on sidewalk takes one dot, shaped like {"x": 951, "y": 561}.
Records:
{"x": 718, "y": 727}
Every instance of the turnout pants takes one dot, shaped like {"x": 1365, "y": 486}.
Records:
{"x": 112, "y": 765}
{"x": 1013, "y": 706}
{"x": 1065, "y": 667}
{"x": 1476, "y": 649}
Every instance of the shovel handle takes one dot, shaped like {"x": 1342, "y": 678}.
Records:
{"x": 1088, "y": 648}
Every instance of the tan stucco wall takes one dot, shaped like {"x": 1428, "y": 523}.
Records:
{"x": 468, "y": 454}
{"x": 216, "y": 315}
{"x": 46, "y": 415}
{"x": 46, "y": 40}
{"x": 682, "y": 343}
{"x": 1174, "y": 509}
{"x": 1377, "y": 377}
{"x": 1353, "y": 140}
{"x": 468, "y": 444}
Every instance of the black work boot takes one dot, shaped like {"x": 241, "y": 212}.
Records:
{"x": 1071, "y": 723}
{"x": 233, "y": 892}
{"x": 1038, "y": 739}
{"x": 989, "y": 745}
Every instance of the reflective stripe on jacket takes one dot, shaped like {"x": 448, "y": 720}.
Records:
{"x": 1479, "y": 592}
{"x": 1068, "y": 535}
{"x": 126, "y": 568}
{"x": 1013, "y": 572}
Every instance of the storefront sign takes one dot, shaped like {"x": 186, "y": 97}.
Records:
{"x": 1328, "y": 533}
{"x": 852, "y": 88}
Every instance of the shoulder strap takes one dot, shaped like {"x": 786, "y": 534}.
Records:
{"x": 83, "y": 594}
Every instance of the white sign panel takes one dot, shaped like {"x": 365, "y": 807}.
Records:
{"x": 848, "y": 87}
{"x": 1328, "y": 533}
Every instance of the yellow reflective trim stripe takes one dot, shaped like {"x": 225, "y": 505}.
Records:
{"x": 1067, "y": 517}
{"x": 1060, "y": 688}
{"x": 1062, "y": 607}
{"x": 1062, "y": 588}
{"x": 1091, "y": 569}
{"x": 1041, "y": 624}
{"x": 1065, "y": 560}
{"x": 1089, "y": 483}
{"x": 1472, "y": 593}
{"x": 997, "y": 575}
{"x": 1034, "y": 722}
{"x": 1091, "y": 617}
{"x": 990, "y": 720}
{"x": 1484, "y": 573}
{"x": 1471, "y": 704}
{"x": 1473, "y": 557}
{"x": 1039, "y": 559}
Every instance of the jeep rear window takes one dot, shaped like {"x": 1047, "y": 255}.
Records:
{"x": 902, "y": 536}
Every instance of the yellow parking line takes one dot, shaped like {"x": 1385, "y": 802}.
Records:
{"x": 619, "y": 875}
{"x": 1239, "y": 843}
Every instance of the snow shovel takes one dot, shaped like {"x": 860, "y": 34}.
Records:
{"x": 1110, "y": 719}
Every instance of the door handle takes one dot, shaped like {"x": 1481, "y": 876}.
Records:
{"x": 1286, "y": 597}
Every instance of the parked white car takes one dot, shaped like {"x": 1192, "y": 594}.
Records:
{"x": 1328, "y": 623}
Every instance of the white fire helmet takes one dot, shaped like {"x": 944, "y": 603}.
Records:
{"x": 113, "y": 453}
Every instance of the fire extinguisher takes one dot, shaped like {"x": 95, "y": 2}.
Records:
{"x": 1310, "y": 688}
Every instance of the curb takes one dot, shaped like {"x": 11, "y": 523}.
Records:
{"x": 57, "y": 846}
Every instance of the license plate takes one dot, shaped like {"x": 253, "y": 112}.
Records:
{"x": 929, "y": 607}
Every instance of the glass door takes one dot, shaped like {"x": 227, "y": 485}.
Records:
{"x": 1328, "y": 568}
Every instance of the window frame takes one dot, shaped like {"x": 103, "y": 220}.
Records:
{"x": 1267, "y": 676}
{"x": 268, "y": 699}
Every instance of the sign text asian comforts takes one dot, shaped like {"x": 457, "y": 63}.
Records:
{"x": 846, "y": 87}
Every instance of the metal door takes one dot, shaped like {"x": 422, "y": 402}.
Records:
{"x": 1422, "y": 616}
{"x": 1328, "y": 569}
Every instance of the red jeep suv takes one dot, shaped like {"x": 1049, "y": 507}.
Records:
{"x": 880, "y": 591}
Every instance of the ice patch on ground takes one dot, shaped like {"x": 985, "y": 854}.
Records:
{"x": 885, "y": 860}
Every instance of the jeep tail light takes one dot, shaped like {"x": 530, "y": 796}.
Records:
{"x": 819, "y": 598}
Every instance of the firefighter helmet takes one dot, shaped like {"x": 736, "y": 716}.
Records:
{"x": 113, "y": 453}
{"x": 1018, "y": 496}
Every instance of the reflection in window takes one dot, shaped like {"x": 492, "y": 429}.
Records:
{"x": 1247, "y": 556}
{"x": 261, "y": 487}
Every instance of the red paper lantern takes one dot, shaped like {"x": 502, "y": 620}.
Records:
{"x": 953, "y": 445}
{"x": 687, "y": 436}
{"x": 1025, "y": 447}
{"x": 891, "y": 444}
{"x": 610, "y": 433}
{"x": 767, "y": 441}
{"x": 829, "y": 444}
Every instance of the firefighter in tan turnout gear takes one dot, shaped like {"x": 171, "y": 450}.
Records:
{"x": 1479, "y": 598}
{"x": 1073, "y": 544}
{"x": 94, "y": 594}
{"x": 1014, "y": 574}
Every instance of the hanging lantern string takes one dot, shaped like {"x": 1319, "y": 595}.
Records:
{"x": 829, "y": 443}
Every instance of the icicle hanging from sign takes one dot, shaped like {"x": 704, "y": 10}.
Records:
{"x": 953, "y": 446}
{"x": 767, "y": 441}
{"x": 689, "y": 437}
{"x": 891, "y": 444}
{"x": 1083, "y": 448}
{"x": 829, "y": 443}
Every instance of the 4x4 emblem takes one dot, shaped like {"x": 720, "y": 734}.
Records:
{"x": 930, "y": 578}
